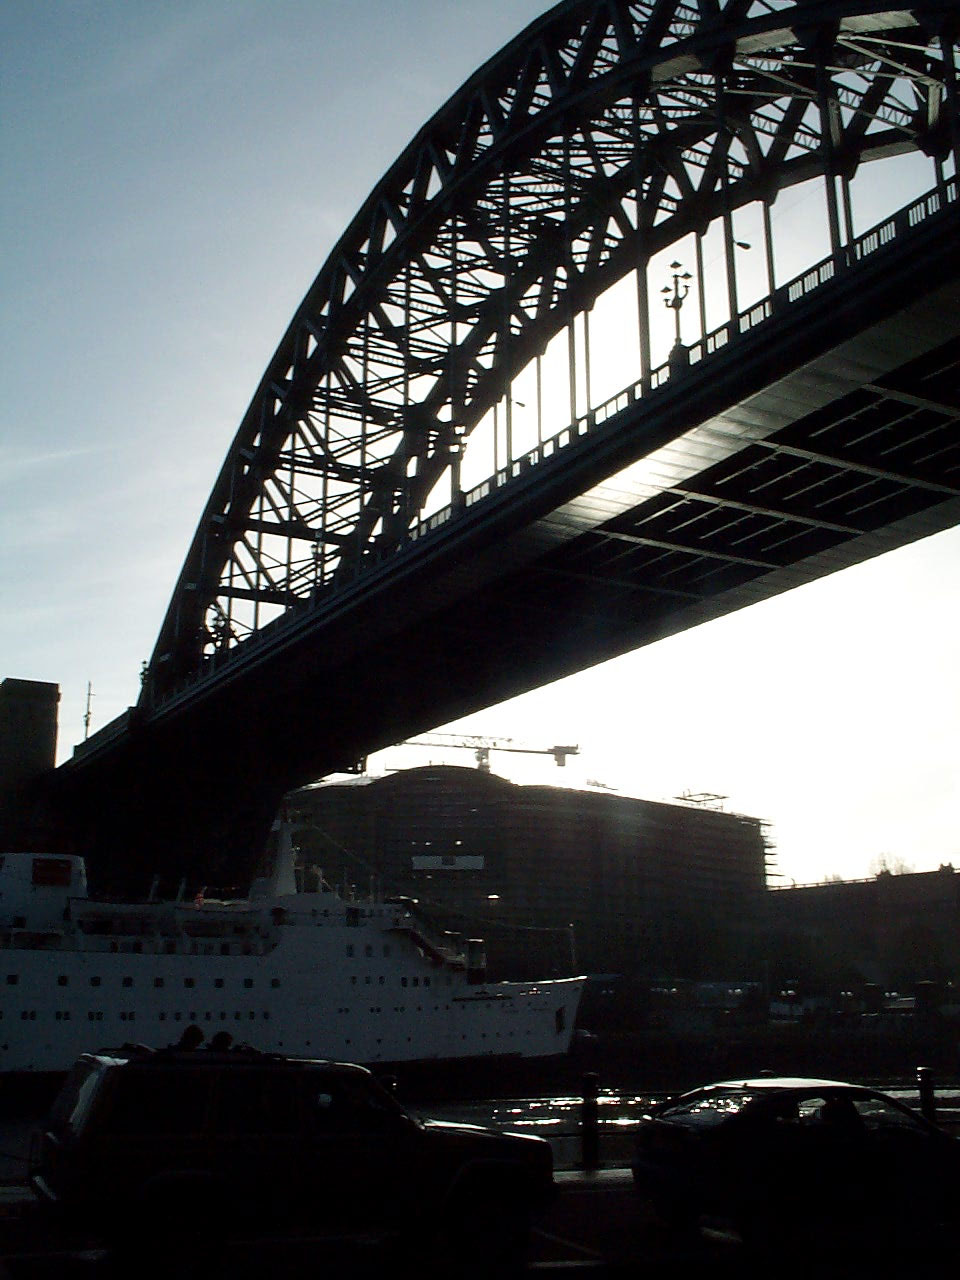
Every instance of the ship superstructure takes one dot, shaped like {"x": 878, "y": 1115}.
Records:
{"x": 295, "y": 972}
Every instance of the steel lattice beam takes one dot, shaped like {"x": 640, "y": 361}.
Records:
{"x": 601, "y": 135}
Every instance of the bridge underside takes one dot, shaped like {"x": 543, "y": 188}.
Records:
{"x": 810, "y": 452}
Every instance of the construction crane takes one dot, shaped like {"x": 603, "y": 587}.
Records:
{"x": 481, "y": 747}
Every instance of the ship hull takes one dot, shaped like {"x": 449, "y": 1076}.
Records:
{"x": 298, "y": 974}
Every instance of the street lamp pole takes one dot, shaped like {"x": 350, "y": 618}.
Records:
{"x": 673, "y": 299}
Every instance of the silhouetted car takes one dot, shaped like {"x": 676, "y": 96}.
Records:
{"x": 195, "y": 1145}
{"x": 795, "y": 1159}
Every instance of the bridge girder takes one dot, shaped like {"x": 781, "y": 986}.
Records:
{"x": 601, "y": 135}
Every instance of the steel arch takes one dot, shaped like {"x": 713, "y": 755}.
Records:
{"x": 603, "y": 133}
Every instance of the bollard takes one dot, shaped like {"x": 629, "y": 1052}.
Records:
{"x": 589, "y": 1123}
{"x": 928, "y": 1100}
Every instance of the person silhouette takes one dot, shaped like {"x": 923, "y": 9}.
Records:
{"x": 192, "y": 1038}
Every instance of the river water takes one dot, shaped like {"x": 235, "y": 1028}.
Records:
{"x": 618, "y": 1114}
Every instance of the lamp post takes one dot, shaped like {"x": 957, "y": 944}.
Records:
{"x": 673, "y": 298}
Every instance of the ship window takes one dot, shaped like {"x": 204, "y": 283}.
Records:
{"x": 189, "y": 982}
{"x": 218, "y": 982}
{"x": 248, "y": 982}
{"x": 51, "y": 872}
{"x": 94, "y": 982}
{"x": 63, "y": 980}
{"x": 12, "y": 979}
{"x": 128, "y": 982}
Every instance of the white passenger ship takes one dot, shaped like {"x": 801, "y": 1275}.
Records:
{"x": 292, "y": 972}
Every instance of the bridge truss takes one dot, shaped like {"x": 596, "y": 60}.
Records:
{"x": 602, "y": 135}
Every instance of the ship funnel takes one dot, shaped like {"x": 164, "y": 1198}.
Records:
{"x": 476, "y": 960}
{"x": 284, "y": 861}
{"x": 282, "y": 879}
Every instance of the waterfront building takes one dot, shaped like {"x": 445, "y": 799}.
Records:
{"x": 550, "y": 876}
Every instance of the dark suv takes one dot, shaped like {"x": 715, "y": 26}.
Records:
{"x": 178, "y": 1145}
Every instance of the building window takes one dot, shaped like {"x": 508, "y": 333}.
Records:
{"x": 12, "y": 979}
{"x": 189, "y": 982}
{"x": 128, "y": 982}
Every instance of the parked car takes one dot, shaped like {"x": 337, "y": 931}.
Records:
{"x": 783, "y": 1159}
{"x": 196, "y": 1145}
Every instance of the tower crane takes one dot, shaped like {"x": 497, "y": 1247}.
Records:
{"x": 481, "y": 747}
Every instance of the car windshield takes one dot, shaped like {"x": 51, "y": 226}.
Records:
{"x": 705, "y": 1109}
{"x": 73, "y": 1102}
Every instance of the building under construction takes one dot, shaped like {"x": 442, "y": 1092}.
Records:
{"x": 554, "y": 879}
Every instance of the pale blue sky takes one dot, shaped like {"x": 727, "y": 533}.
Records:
{"x": 173, "y": 175}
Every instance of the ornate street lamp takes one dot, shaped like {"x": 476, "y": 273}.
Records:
{"x": 673, "y": 298}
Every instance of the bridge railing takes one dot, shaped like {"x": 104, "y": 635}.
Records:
{"x": 813, "y": 278}
{"x": 876, "y": 239}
